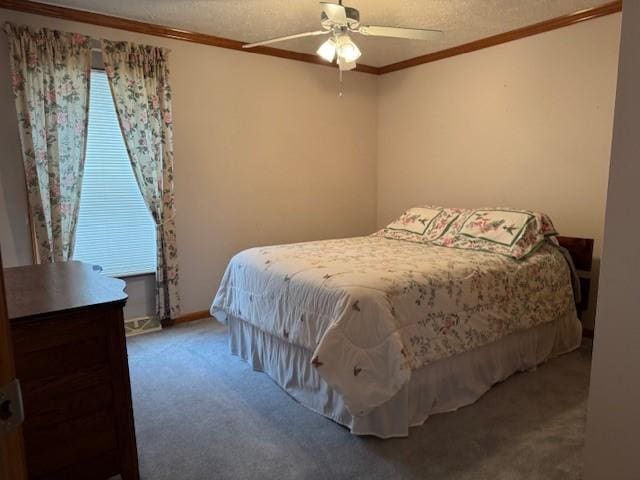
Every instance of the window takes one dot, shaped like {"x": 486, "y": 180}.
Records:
{"x": 115, "y": 229}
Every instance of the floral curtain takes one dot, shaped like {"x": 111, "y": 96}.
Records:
{"x": 139, "y": 80}
{"x": 50, "y": 80}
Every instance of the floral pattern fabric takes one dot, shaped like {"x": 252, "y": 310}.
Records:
{"x": 436, "y": 221}
{"x": 488, "y": 230}
{"x": 139, "y": 80}
{"x": 50, "y": 81}
{"x": 373, "y": 309}
{"x": 415, "y": 220}
{"x": 501, "y": 226}
{"x": 514, "y": 233}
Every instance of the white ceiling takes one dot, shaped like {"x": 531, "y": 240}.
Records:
{"x": 254, "y": 20}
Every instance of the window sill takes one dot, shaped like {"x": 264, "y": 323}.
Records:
{"x": 127, "y": 276}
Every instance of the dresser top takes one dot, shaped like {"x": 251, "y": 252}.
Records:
{"x": 55, "y": 287}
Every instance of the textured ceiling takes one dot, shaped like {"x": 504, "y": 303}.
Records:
{"x": 254, "y": 20}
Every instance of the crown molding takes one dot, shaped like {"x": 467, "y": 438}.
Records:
{"x": 136, "y": 26}
{"x": 536, "y": 28}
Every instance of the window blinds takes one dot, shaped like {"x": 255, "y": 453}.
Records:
{"x": 115, "y": 229}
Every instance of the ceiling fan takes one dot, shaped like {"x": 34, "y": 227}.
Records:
{"x": 339, "y": 21}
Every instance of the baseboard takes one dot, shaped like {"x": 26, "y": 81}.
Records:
{"x": 190, "y": 317}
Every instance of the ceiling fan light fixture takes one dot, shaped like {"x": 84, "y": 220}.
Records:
{"x": 337, "y": 21}
{"x": 343, "y": 65}
{"x": 347, "y": 49}
{"x": 327, "y": 50}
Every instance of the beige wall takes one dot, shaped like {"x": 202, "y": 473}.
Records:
{"x": 525, "y": 124}
{"x": 614, "y": 402}
{"x": 265, "y": 152}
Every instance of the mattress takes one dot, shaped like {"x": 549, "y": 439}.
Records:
{"x": 373, "y": 311}
{"x": 442, "y": 386}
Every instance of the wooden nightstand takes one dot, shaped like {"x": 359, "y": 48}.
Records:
{"x": 71, "y": 360}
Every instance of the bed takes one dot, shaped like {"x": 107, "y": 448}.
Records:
{"x": 379, "y": 332}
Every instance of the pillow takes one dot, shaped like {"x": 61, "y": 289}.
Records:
{"x": 501, "y": 226}
{"x": 420, "y": 224}
{"x": 510, "y": 232}
{"x": 415, "y": 220}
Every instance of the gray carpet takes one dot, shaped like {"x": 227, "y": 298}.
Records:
{"x": 202, "y": 413}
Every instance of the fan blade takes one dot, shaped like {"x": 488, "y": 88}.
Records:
{"x": 335, "y": 12}
{"x": 288, "y": 37}
{"x": 400, "y": 32}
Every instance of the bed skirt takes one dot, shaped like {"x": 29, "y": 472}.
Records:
{"x": 442, "y": 386}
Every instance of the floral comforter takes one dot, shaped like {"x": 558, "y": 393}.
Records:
{"x": 372, "y": 309}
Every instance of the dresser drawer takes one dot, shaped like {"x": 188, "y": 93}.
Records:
{"x": 68, "y": 405}
{"x": 61, "y": 361}
{"x": 50, "y": 448}
{"x": 50, "y": 331}
{"x": 103, "y": 465}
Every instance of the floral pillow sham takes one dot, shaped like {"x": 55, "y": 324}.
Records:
{"x": 511, "y": 232}
{"x": 504, "y": 227}
{"x": 514, "y": 233}
{"x": 420, "y": 224}
{"x": 415, "y": 220}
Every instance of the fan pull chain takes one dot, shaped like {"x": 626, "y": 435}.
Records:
{"x": 340, "y": 85}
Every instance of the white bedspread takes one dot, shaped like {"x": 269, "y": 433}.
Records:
{"x": 373, "y": 309}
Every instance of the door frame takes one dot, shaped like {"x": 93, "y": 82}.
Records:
{"x": 12, "y": 460}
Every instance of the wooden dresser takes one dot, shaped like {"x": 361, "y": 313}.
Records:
{"x": 71, "y": 359}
